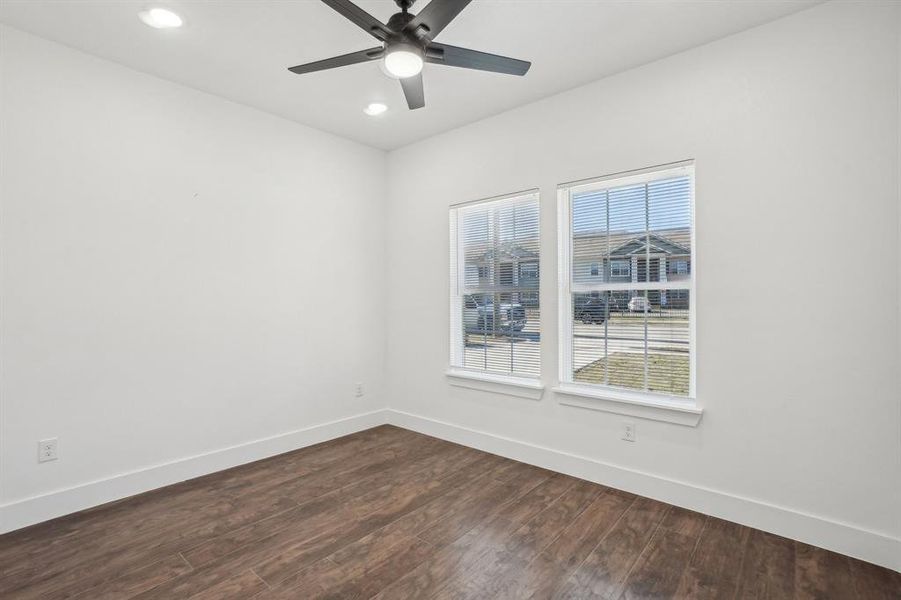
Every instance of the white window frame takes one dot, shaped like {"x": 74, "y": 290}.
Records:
{"x": 512, "y": 385}
{"x": 651, "y": 405}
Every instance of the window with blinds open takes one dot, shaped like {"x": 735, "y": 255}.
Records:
{"x": 494, "y": 275}
{"x": 627, "y": 280}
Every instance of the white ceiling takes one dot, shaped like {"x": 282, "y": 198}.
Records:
{"x": 240, "y": 50}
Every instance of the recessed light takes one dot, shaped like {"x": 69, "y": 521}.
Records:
{"x": 375, "y": 108}
{"x": 160, "y": 18}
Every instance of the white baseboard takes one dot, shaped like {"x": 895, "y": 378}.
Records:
{"x": 29, "y": 511}
{"x": 844, "y": 538}
{"x": 871, "y": 546}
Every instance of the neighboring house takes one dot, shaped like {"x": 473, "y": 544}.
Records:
{"x": 512, "y": 269}
{"x": 509, "y": 269}
{"x": 629, "y": 257}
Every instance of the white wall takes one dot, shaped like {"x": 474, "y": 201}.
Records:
{"x": 180, "y": 275}
{"x": 794, "y": 127}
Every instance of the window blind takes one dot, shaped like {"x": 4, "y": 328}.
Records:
{"x": 630, "y": 280}
{"x": 495, "y": 272}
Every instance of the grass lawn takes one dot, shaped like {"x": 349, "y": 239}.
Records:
{"x": 667, "y": 373}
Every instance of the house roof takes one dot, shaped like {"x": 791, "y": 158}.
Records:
{"x": 510, "y": 251}
{"x": 593, "y": 246}
{"x": 657, "y": 244}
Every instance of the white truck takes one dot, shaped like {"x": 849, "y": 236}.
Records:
{"x": 639, "y": 304}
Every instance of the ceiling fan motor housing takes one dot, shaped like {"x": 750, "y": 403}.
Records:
{"x": 398, "y": 22}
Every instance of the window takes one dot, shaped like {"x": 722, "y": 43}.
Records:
{"x": 506, "y": 274}
{"x": 494, "y": 286}
{"x": 620, "y": 268}
{"x": 631, "y": 331}
{"x": 595, "y": 269}
{"x": 529, "y": 271}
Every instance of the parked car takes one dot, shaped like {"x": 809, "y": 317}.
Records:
{"x": 478, "y": 315}
{"x": 594, "y": 310}
{"x": 639, "y": 304}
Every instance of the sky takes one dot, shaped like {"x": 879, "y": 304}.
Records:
{"x": 668, "y": 207}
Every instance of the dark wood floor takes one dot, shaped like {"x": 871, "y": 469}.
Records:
{"x": 387, "y": 513}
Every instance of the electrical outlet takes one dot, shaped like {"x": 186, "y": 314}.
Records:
{"x": 47, "y": 450}
{"x": 359, "y": 390}
{"x": 629, "y": 431}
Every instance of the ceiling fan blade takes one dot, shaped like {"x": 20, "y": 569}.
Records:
{"x": 435, "y": 17}
{"x": 339, "y": 61}
{"x": 452, "y": 56}
{"x": 363, "y": 19}
{"x": 414, "y": 91}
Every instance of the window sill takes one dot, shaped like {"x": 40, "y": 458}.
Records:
{"x": 681, "y": 412}
{"x": 522, "y": 387}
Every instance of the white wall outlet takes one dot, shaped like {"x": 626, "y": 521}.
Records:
{"x": 47, "y": 450}
{"x": 629, "y": 431}
{"x": 359, "y": 390}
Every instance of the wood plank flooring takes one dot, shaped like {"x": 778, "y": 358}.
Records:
{"x": 390, "y": 514}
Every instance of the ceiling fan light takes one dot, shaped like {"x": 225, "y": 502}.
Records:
{"x": 403, "y": 61}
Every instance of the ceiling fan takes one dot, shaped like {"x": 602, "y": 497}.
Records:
{"x": 407, "y": 43}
